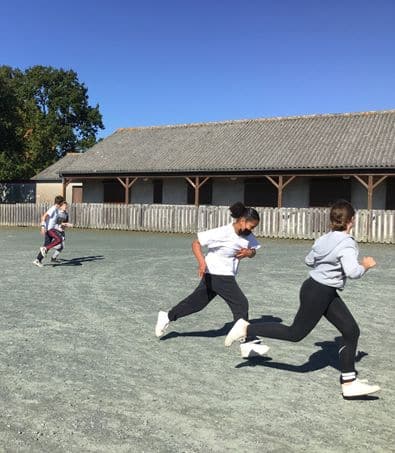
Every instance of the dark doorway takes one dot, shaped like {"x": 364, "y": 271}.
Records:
{"x": 325, "y": 191}
{"x": 390, "y": 197}
{"x": 114, "y": 192}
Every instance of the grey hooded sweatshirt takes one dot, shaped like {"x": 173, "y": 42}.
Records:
{"x": 334, "y": 257}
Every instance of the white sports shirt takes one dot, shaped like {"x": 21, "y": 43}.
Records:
{"x": 223, "y": 243}
{"x": 50, "y": 221}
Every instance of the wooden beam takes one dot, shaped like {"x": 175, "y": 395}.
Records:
{"x": 197, "y": 187}
{"x": 121, "y": 181}
{"x": 127, "y": 184}
{"x": 280, "y": 185}
{"x": 197, "y": 184}
{"x": 65, "y": 183}
{"x": 370, "y": 192}
{"x": 270, "y": 178}
{"x": 379, "y": 181}
{"x": 204, "y": 181}
{"x": 127, "y": 190}
{"x": 190, "y": 182}
{"x": 370, "y": 185}
{"x": 290, "y": 179}
{"x": 362, "y": 181}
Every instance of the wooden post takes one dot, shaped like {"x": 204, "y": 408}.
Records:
{"x": 127, "y": 191}
{"x": 64, "y": 188}
{"x": 127, "y": 184}
{"x": 370, "y": 192}
{"x": 370, "y": 185}
{"x": 280, "y": 185}
{"x": 65, "y": 183}
{"x": 197, "y": 185}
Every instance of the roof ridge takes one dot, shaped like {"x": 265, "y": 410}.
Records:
{"x": 247, "y": 120}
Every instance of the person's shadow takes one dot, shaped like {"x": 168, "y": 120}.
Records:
{"x": 222, "y": 331}
{"x": 328, "y": 355}
{"x": 75, "y": 261}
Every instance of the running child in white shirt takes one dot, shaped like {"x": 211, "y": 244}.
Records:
{"x": 62, "y": 222}
{"x": 227, "y": 245}
{"x": 48, "y": 220}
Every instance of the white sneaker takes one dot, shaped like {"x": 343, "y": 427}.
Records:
{"x": 253, "y": 349}
{"x": 237, "y": 332}
{"x": 358, "y": 388}
{"x": 162, "y": 323}
{"x": 43, "y": 251}
{"x": 38, "y": 263}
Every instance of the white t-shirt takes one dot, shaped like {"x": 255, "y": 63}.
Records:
{"x": 50, "y": 221}
{"x": 223, "y": 243}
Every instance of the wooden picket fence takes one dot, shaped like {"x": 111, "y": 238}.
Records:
{"x": 287, "y": 223}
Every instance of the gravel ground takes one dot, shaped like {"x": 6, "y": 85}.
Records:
{"x": 81, "y": 369}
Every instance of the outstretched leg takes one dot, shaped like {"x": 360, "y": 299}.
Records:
{"x": 314, "y": 300}
{"x": 196, "y": 301}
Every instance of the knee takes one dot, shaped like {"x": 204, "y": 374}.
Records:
{"x": 354, "y": 332}
{"x": 296, "y": 335}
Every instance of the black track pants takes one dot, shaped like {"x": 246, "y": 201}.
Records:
{"x": 317, "y": 300}
{"x": 209, "y": 287}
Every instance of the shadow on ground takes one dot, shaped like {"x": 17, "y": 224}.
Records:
{"x": 217, "y": 332}
{"x": 327, "y": 356}
{"x": 76, "y": 261}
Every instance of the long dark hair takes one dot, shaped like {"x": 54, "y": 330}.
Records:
{"x": 341, "y": 215}
{"x": 238, "y": 210}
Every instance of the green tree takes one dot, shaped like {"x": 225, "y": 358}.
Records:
{"x": 55, "y": 117}
{"x": 11, "y": 125}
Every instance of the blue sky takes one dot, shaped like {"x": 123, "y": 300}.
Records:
{"x": 168, "y": 62}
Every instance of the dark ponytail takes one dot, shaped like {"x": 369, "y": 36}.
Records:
{"x": 341, "y": 215}
{"x": 238, "y": 210}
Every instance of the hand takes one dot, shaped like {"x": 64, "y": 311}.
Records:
{"x": 245, "y": 253}
{"x": 368, "y": 262}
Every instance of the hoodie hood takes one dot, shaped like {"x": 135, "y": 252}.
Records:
{"x": 329, "y": 242}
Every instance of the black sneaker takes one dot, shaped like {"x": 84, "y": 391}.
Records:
{"x": 54, "y": 260}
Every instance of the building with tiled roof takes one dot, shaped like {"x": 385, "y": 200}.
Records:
{"x": 49, "y": 183}
{"x": 292, "y": 161}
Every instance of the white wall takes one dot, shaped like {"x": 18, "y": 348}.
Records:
{"x": 93, "y": 191}
{"x": 296, "y": 193}
{"x": 359, "y": 195}
{"x": 142, "y": 192}
{"x": 227, "y": 191}
{"x": 175, "y": 191}
{"x": 46, "y": 192}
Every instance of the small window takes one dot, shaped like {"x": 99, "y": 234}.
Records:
{"x": 114, "y": 192}
{"x": 205, "y": 193}
{"x": 325, "y": 191}
{"x": 259, "y": 192}
{"x": 158, "y": 191}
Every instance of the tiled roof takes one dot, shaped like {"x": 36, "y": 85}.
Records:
{"x": 334, "y": 142}
{"x": 51, "y": 173}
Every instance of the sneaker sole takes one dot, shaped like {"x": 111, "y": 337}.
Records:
{"x": 353, "y": 397}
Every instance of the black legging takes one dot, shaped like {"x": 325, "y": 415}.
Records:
{"x": 316, "y": 300}
{"x": 209, "y": 287}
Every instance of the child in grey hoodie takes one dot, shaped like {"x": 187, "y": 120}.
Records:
{"x": 333, "y": 259}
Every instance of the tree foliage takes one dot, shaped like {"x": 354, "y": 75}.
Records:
{"x": 44, "y": 113}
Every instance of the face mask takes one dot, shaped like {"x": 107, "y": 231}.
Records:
{"x": 244, "y": 232}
